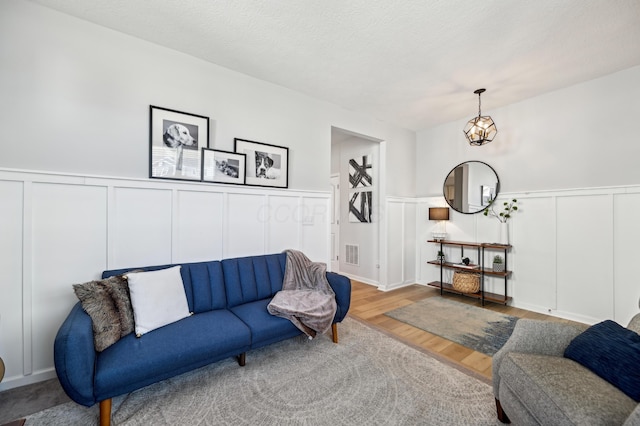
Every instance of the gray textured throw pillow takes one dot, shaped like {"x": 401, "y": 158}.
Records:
{"x": 97, "y": 302}
{"x": 118, "y": 289}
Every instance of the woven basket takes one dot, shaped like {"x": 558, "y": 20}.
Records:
{"x": 466, "y": 282}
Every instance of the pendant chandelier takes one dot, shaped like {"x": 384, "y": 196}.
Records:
{"x": 480, "y": 130}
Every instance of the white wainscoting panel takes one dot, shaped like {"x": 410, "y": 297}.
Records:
{"x": 199, "y": 224}
{"x": 395, "y": 244}
{"x": 625, "y": 255}
{"x": 574, "y": 251}
{"x": 142, "y": 227}
{"x": 314, "y": 218}
{"x": 585, "y": 261}
{"x": 401, "y": 243}
{"x": 282, "y": 216}
{"x": 69, "y": 243}
{"x": 409, "y": 244}
{"x": 58, "y": 230}
{"x": 11, "y": 224}
{"x": 246, "y": 225}
{"x": 533, "y": 257}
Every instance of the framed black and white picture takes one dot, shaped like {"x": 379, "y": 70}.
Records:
{"x": 487, "y": 194}
{"x": 175, "y": 142}
{"x": 360, "y": 207}
{"x": 267, "y": 165}
{"x": 223, "y": 166}
{"x": 360, "y": 175}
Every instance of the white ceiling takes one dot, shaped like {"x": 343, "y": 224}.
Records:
{"x": 414, "y": 63}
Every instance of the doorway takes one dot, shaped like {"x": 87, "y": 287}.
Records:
{"x": 356, "y": 191}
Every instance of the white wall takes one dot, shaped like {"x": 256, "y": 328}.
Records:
{"x": 583, "y": 136}
{"x": 74, "y": 167}
{"x": 569, "y": 157}
{"x": 80, "y": 96}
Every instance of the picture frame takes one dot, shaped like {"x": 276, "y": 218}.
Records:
{"x": 360, "y": 175}
{"x": 487, "y": 194}
{"x": 223, "y": 166}
{"x": 267, "y": 165}
{"x": 176, "y": 139}
{"x": 361, "y": 207}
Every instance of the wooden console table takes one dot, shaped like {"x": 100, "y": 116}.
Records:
{"x": 482, "y": 270}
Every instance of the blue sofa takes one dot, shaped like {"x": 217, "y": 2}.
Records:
{"x": 229, "y": 301}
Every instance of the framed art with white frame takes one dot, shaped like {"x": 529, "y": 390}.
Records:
{"x": 267, "y": 165}
{"x": 175, "y": 142}
{"x": 223, "y": 166}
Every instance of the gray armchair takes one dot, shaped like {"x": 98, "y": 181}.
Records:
{"x": 534, "y": 384}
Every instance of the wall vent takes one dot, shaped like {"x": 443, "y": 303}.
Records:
{"x": 352, "y": 254}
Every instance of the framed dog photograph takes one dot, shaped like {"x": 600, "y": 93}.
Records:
{"x": 267, "y": 165}
{"x": 176, "y": 140}
{"x": 223, "y": 167}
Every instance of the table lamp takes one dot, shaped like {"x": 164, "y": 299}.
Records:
{"x": 441, "y": 215}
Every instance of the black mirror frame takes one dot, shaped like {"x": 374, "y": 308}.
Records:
{"x": 466, "y": 162}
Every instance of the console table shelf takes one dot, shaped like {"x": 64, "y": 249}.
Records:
{"x": 488, "y": 297}
{"x": 480, "y": 269}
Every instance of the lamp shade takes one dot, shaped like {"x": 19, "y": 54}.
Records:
{"x": 438, "y": 213}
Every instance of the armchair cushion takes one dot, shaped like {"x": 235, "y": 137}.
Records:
{"x": 612, "y": 352}
{"x": 556, "y": 390}
{"x": 535, "y": 337}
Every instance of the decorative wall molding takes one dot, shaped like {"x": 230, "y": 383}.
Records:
{"x": 64, "y": 229}
{"x": 574, "y": 250}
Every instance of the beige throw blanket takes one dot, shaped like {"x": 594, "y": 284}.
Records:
{"x": 306, "y": 298}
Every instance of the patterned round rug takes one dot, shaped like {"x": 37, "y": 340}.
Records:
{"x": 368, "y": 378}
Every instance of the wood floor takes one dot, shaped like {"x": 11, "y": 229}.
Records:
{"x": 369, "y": 305}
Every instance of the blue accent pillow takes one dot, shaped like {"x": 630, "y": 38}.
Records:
{"x": 612, "y": 352}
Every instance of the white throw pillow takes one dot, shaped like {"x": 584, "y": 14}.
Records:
{"x": 157, "y": 298}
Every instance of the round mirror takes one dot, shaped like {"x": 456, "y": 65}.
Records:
{"x": 470, "y": 187}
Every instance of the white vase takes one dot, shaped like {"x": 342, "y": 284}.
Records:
{"x": 504, "y": 233}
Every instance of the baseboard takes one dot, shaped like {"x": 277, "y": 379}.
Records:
{"x": 361, "y": 279}
{"x": 554, "y": 313}
{"x": 396, "y": 286}
{"x": 16, "y": 382}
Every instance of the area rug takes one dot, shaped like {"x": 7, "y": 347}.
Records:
{"x": 476, "y": 328}
{"x": 368, "y": 378}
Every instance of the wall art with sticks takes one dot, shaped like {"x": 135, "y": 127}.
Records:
{"x": 360, "y": 207}
{"x": 361, "y": 189}
{"x": 360, "y": 172}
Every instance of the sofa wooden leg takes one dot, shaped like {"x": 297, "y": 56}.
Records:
{"x": 502, "y": 416}
{"x": 242, "y": 359}
{"x": 334, "y": 332}
{"x": 105, "y": 412}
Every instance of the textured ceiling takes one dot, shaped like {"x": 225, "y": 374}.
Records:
{"x": 414, "y": 63}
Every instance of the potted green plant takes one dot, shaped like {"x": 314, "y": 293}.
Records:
{"x": 498, "y": 263}
{"x": 505, "y": 214}
{"x": 440, "y": 256}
